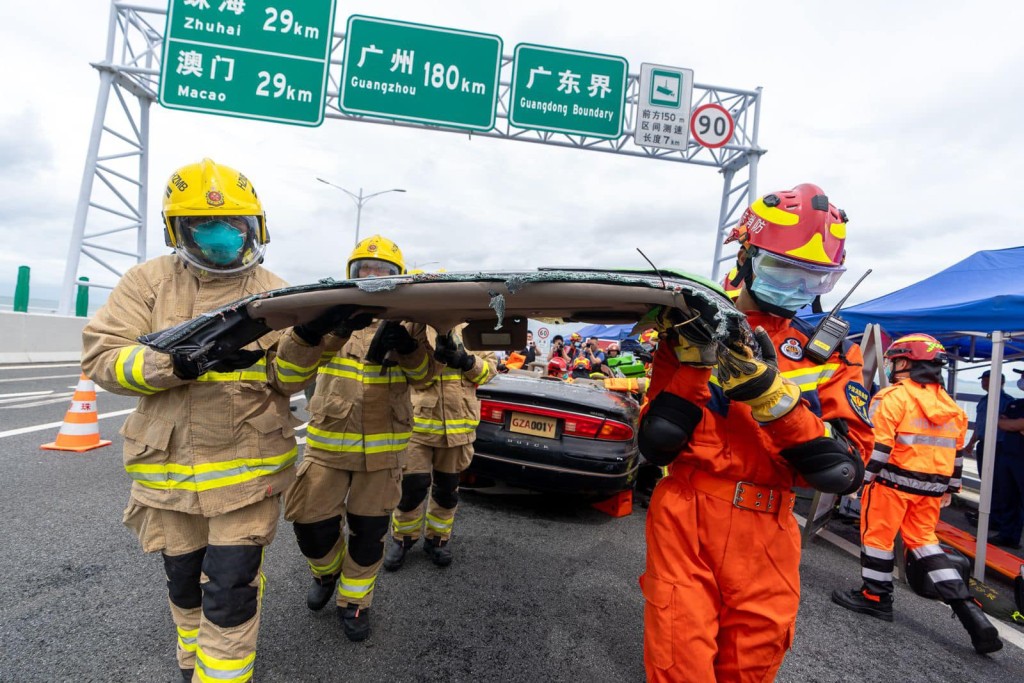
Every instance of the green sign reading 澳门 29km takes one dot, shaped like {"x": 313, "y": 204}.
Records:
{"x": 426, "y": 74}
{"x": 568, "y": 91}
{"x": 256, "y": 59}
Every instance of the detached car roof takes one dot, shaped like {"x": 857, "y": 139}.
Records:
{"x": 444, "y": 300}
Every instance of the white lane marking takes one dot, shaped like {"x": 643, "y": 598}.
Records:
{"x": 31, "y": 379}
{"x": 52, "y": 425}
{"x": 59, "y": 398}
{"x": 36, "y": 367}
{"x": 26, "y": 393}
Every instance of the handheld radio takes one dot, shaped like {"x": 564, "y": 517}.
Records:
{"x": 831, "y": 331}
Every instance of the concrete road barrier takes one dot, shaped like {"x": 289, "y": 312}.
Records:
{"x": 34, "y": 338}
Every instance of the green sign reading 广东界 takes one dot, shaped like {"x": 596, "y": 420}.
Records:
{"x": 256, "y": 59}
{"x": 568, "y": 91}
{"x": 426, "y": 74}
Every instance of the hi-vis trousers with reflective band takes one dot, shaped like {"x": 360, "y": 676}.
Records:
{"x": 884, "y": 512}
{"x": 318, "y": 502}
{"x": 722, "y": 587}
{"x": 435, "y": 469}
{"x": 215, "y": 586}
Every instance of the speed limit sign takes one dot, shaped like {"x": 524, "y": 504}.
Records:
{"x": 542, "y": 333}
{"x": 711, "y": 125}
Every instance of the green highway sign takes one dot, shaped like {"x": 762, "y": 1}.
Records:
{"x": 426, "y": 74}
{"x": 568, "y": 91}
{"x": 254, "y": 59}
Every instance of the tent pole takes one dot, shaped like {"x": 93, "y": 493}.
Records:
{"x": 995, "y": 386}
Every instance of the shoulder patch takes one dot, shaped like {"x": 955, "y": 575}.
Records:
{"x": 859, "y": 399}
{"x": 791, "y": 348}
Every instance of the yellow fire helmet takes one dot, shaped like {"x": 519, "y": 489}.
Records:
{"x": 213, "y": 219}
{"x": 376, "y": 257}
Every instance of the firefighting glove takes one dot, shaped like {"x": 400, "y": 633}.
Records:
{"x": 691, "y": 332}
{"x": 747, "y": 372}
{"x": 394, "y": 337}
{"x": 666, "y": 428}
{"x": 452, "y": 353}
{"x": 338, "y": 319}
{"x": 188, "y": 368}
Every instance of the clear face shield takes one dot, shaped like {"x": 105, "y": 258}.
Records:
{"x": 223, "y": 245}
{"x": 372, "y": 267}
{"x": 791, "y": 284}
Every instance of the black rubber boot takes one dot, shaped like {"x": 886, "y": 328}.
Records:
{"x": 984, "y": 636}
{"x": 320, "y": 592}
{"x": 355, "y": 621}
{"x": 394, "y": 555}
{"x": 878, "y": 606}
{"x": 440, "y": 552}
{"x": 186, "y": 675}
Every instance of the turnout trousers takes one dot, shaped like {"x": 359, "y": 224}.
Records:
{"x": 722, "y": 587}
{"x": 214, "y": 582}
{"x": 435, "y": 469}
{"x": 884, "y": 512}
{"x": 321, "y": 501}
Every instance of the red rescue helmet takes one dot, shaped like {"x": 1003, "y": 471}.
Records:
{"x": 556, "y": 367}
{"x": 575, "y": 337}
{"x": 917, "y": 347}
{"x": 581, "y": 363}
{"x": 799, "y": 224}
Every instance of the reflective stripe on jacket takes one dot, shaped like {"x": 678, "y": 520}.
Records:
{"x": 919, "y": 430}
{"x": 207, "y": 446}
{"x": 361, "y": 413}
{"x": 446, "y": 411}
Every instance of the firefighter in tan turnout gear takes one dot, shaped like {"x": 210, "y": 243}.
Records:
{"x": 446, "y": 413}
{"x": 209, "y": 449}
{"x": 360, "y": 421}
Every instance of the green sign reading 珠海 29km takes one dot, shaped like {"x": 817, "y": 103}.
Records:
{"x": 568, "y": 91}
{"x": 427, "y": 74}
{"x": 255, "y": 59}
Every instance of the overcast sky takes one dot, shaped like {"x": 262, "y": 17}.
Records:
{"x": 908, "y": 118}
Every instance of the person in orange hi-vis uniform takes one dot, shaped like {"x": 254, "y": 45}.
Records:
{"x": 911, "y": 474}
{"x": 722, "y": 583}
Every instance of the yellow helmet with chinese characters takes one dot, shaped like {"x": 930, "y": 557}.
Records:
{"x": 213, "y": 219}
{"x": 378, "y": 254}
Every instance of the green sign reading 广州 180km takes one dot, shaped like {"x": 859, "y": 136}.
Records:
{"x": 256, "y": 59}
{"x": 568, "y": 91}
{"x": 427, "y": 74}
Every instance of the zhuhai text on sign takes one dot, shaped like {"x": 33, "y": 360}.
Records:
{"x": 260, "y": 59}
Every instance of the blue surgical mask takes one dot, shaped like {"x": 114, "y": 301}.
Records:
{"x": 220, "y": 243}
{"x": 785, "y": 299}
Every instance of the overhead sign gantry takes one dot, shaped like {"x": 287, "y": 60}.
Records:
{"x": 282, "y": 61}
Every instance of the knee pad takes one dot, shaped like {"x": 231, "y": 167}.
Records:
{"x": 366, "y": 538}
{"x": 317, "y": 538}
{"x": 229, "y": 599}
{"x": 446, "y": 490}
{"x": 414, "y": 490}
{"x": 183, "y": 578}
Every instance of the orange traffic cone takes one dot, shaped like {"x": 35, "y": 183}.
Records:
{"x": 618, "y": 505}
{"x": 81, "y": 429}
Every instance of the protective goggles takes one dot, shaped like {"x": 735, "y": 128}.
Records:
{"x": 372, "y": 267}
{"x": 790, "y": 274}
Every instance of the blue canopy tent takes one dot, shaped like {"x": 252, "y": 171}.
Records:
{"x": 976, "y": 309}
{"x": 612, "y": 332}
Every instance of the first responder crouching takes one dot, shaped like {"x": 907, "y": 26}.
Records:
{"x": 360, "y": 421}
{"x": 209, "y": 450}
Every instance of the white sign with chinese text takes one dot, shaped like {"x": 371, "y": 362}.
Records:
{"x": 663, "y": 107}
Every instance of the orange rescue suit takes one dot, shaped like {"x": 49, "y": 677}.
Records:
{"x": 722, "y": 584}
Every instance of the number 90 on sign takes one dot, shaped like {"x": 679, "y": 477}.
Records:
{"x": 711, "y": 125}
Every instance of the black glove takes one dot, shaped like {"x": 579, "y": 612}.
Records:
{"x": 338, "y": 319}
{"x": 188, "y": 368}
{"x": 395, "y": 337}
{"x": 502, "y": 367}
{"x": 453, "y": 354}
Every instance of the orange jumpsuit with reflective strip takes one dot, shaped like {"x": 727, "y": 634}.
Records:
{"x": 722, "y": 584}
{"x": 919, "y": 429}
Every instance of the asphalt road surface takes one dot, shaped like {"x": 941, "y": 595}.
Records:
{"x": 542, "y": 588}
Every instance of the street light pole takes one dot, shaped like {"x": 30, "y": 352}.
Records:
{"x": 359, "y": 200}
